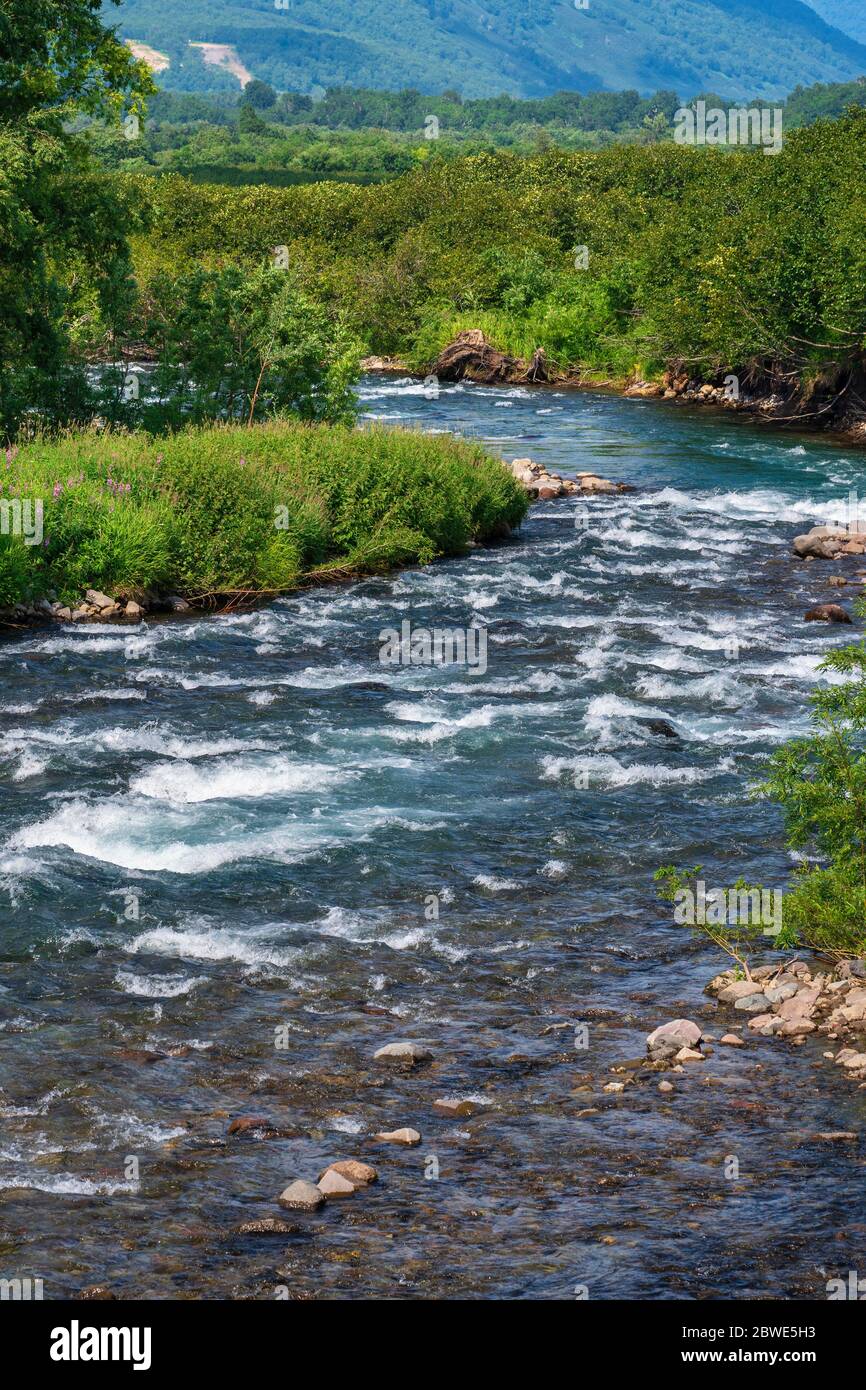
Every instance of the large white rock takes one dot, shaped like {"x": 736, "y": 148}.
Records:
{"x": 680, "y": 1032}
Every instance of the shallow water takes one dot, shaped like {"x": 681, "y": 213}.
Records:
{"x": 217, "y": 829}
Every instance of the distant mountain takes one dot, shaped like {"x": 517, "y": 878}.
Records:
{"x": 847, "y": 15}
{"x": 484, "y": 47}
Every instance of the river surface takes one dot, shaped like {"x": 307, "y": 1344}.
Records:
{"x": 239, "y": 854}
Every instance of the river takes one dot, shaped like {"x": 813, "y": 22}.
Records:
{"x": 239, "y": 854}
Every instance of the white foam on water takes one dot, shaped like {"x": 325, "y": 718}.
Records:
{"x": 128, "y": 1128}
{"x": 154, "y": 986}
{"x": 131, "y": 646}
{"x": 66, "y": 1185}
{"x": 609, "y": 771}
{"x": 494, "y": 884}
{"x": 141, "y": 834}
{"x": 201, "y": 940}
{"x": 111, "y": 694}
{"x": 235, "y": 780}
{"x": 439, "y": 728}
{"x": 554, "y": 869}
{"x": 369, "y": 928}
{"x": 719, "y": 687}
{"x": 29, "y": 765}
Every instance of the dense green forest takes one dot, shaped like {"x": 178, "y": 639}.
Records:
{"x": 528, "y": 49}
{"x": 720, "y": 261}
{"x": 287, "y": 137}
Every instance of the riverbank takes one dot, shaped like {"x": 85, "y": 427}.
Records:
{"x": 819, "y": 407}
{"x": 111, "y": 527}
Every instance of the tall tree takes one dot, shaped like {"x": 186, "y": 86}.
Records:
{"x": 59, "y": 223}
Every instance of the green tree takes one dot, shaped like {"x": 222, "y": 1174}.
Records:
{"x": 820, "y": 783}
{"x": 244, "y": 345}
{"x": 261, "y": 95}
{"x": 57, "y": 61}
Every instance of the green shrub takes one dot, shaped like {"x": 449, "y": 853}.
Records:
{"x": 820, "y": 783}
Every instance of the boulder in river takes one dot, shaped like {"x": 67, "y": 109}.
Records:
{"x": 680, "y": 1032}
{"x": 269, "y": 1226}
{"x": 826, "y": 542}
{"x": 333, "y": 1184}
{"x": 361, "y": 1174}
{"x": 301, "y": 1196}
{"x": 828, "y": 613}
{"x": 753, "y": 1003}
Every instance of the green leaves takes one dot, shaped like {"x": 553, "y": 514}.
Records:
{"x": 820, "y": 783}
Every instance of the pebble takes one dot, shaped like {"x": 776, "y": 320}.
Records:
{"x": 301, "y": 1196}
{"x": 688, "y": 1054}
{"x": 614, "y": 1086}
{"x": 665, "y": 1086}
{"x": 399, "y": 1136}
{"x": 455, "y": 1107}
{"x": 246, "y": 1124}
{"x": 731, "y": 1040}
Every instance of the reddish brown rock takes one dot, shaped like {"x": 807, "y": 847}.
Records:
{"x": 361, "y": 1174}
{"x": 827, "y": 613}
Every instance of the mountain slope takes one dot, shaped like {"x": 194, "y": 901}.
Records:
{"x": 526, "y": 47}
{"x": 847, "y": 15}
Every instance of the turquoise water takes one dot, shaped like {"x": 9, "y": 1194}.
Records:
{"x": 224, "y": 832}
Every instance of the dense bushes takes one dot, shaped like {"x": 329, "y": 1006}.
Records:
{"x": 724, "y": 260}
{"x": 234, "y": 509}
{"x": 820, "y": 783}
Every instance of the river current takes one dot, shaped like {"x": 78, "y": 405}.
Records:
{"x": 239, "y": 854}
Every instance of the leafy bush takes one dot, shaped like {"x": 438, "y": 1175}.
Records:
{"x": 820, "y": 783}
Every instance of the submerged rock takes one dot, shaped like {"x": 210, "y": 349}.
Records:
{"x": 410, "y": 1053}
{"x": 659, "y": 726}
{"x": 448, "y": 1106}
{"x": 269, "y": 1226}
